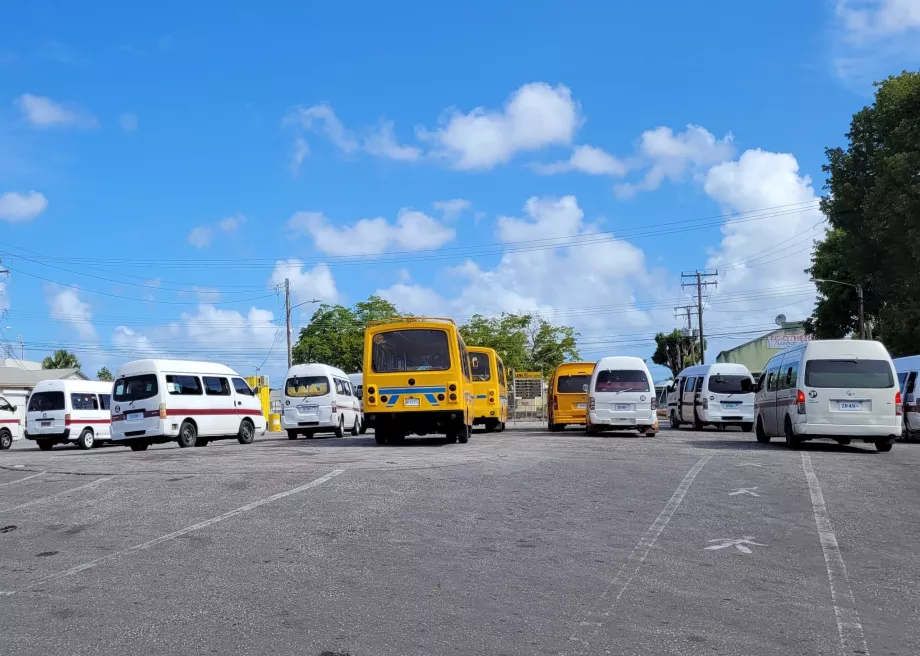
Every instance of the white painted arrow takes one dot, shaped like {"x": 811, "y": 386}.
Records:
{"x": 740, "y": 545}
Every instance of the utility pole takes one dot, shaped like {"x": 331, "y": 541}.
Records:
{"x": 287, "y": 313}
{"x": 684, "y": 312}
{"x": 862, "y": 313}
{"x": 697, "y": 280}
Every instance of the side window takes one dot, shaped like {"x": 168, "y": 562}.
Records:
{"x": 911, "y": 383}
{"x": 183, "y": 385}
{"x": 215, "y": 386}
{"x": 690, "y": 383}
{"x": 242, "y": 387}
{"x": 792, "y": 375}
{"x": 464, "y": 358}
{"x": 105, "y": 401}
{"x": 4, "y": 405}
{"x": 339, "y": 389}
{"x": 770, "y": 376}
{"x": 346, "y": 388}
{"x": 502, "y": 381}
{"x": 84, "y": 402}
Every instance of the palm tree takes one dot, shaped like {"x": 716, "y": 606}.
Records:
{"x": 62, "y": 359}
{"x": 104, "y": 374}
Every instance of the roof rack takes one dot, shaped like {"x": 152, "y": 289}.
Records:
{"x": 381, "y": 322}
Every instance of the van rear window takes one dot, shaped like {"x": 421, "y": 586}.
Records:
{"x": 621, "y": 380}
{"x": 135, "y": 388}
{"x": 46, "y": 401}
{"x": 573, "y": 384}
{"x": 857, "y": 374}
{"x": 730, "y": 384}
{"x": 307, "y": 386}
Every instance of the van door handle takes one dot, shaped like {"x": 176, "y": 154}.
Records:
{"x": 239, "y": 403}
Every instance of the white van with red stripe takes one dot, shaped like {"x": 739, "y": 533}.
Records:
{"x": 62, "y": 411}
{"x": 192, "y": 403}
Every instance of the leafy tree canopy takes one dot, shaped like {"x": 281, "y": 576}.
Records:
{"x": 104, "y": 374}
{"x": 525, "y": 342}
{"x": 676, "y": 351}
{"x": 62, "y": 359}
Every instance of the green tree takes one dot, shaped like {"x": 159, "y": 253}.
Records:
{"x": 525, "y": 342}
{"x": 675, "y": 351}
{"x": 62, "y": 359}
{"x": 335, "y": 334}
{"x": 104, "y": 374}
{"x": 873, "y": 209}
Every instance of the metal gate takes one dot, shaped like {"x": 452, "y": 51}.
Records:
{"x": 528, "y": 401}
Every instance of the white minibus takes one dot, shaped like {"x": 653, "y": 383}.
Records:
{"x": 908, "y": 370}
{"x": 839, "y": 389}
{"x": 318, "y": 398}
{"x": 10, "y": 424}
{"x": 192, "y": 403}
{"x": 719, "y": 394}
{"x": 62, "y": 411}
{"x": 621, "y": 396}
{"x": 357, "y": 386}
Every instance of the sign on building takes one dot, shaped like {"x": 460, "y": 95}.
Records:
{"x": 781, "y": 342}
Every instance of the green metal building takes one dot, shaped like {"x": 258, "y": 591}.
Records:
{"x": 755, "y": 354}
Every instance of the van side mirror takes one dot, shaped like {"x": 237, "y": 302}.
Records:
{"x": 759, "y": 386}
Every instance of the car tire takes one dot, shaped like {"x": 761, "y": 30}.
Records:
{"x": 697, "y": 424}
{"x": 292, "y": 435}
{"x": 650, "y": 433}
{"x": 356, "y": 429}
{"x": 86, "y": 440}
{"x": 792, "y": 440}
{"x": 747, "y": 427}
{"x": 310, "y": 434}
{"x": 340, "y": 429}
{"x": 247, "y": 432}
{"x": 761, "y": 434}
{"x": 6, "y": 440}
{"x": 883, "y": 447}
{"x": 138, "y": 445}
{"x": 844, "y": 441}
{"x": 45, "y": 445}
{"x": 188, "y": 435}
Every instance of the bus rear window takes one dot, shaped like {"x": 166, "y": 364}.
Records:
{"x": 135, "y": 388}
{"x": 413, "y": 349}
{"x": 306, "y": 386}
{"x": 621, "y": 380}
{"x": 573, "y": 384}
{"x": 480, "y": 365}
{"x": 856, "y": 374}
{"x": 730, "y": 384}
{"x": 46, "y": 401}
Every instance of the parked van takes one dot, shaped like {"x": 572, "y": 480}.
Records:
{"x": 10, "y": 424}
{"x": 192, "y": 403}
{"x": 568, "y": 395}
{"x": 319, "y": 399}
{"x": 837, "y": 389}
{"x": 908, "y": 370}
{"x": 720, "y": 394}
{"x": 621, "y": 396}
{"x": 62, "y": 411}
{"x": 357, "y": 386}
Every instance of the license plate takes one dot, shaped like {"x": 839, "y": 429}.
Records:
{"x": 46, "y": 424}
{"x": 309, "y": 409}
{"x": 412, "y": 403}
{"x": 622, "y": 406}
{"x": 731, "y": 406}
{"x": 134, "y": 416}
{"x": 581, "y": 406}
{"x": 849, "y": 406}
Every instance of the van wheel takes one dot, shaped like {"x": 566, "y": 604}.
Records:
{"x": 792, "y": 440}
{"x": 188, "y": 435}
{"x": 45, "y": 445}
{"x": 883, "y": 447}
{"x": 340, "y": 429}
{"x": 747, "y": 427}
{"x": 357, "y": 427}
{"x": 672, "y": 420}
{"x": 86, "y": 440}
{"x": 292, "y": 435}
{"x": 138, "y": 445}
{"x": 247, "y": 432}
{"x": 465, "y": 435}
{"x": 6, "y": 440}
{"x": 761, "y": 434}
{"x": 501, "y": 427}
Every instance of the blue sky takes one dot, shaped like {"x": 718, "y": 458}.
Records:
{"x": 162, "y": 169}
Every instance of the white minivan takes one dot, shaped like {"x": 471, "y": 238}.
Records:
{"x": 839, "y": 389}
{"x": 62, "y": 411}
{"x": 621, "y": 396}
{"x": 908, "y": 369}
{"x": 192, "y": 403}
{"x": 318, "y": 398}
{"x": 10, "y": 424}
{"x": 357, "y": 386}
{"x": 719, "y": 394}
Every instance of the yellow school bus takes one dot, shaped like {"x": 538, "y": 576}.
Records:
{"x": 568, "y": 394}
{"x": 490, "y": 407}
{"x": 417, "y": 380}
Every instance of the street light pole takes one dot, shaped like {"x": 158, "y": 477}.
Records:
{"x": 859, "y": 298}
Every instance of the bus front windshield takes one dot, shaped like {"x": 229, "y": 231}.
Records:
{"x": 412, "y": 349}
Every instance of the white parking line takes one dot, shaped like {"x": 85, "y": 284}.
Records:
{"x": 20, "y": 480}
{"x": 640, "y": 552}
{"x": 849, "y": 628}
{"x": 57, "y": 494}
{"x": 176, "y": 534}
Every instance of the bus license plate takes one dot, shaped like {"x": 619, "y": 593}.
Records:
{"x": 622, "y": 407}
{"x": 134, "y": 416}
{"x": 412, "y": 403}
{"x": 850, "y": 406}
{"x": 581, "y": 406}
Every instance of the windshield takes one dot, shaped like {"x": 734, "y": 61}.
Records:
{"x": 860, "y": 374}
{"x": 306, "y": 386}
{"x": 730, "y": 384}
{"x": 135, "y": 388}
{"x": 413, "y": 349}
{"x": 621, "y": 380}
{"x": 573, "y": 384}
{"x": 46, "y": 401}
{"x": 480, "y": 364}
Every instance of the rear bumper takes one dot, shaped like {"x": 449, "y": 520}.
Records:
{"x": 569, "y": 419}
{"x": 872, "y": 433}
{"x": 58, "y": 437}
{"x": 728, "y": 416}
{"x": 614, "y": 421}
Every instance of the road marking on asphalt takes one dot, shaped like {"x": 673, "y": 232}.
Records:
{"x": 33, "y": 502}
{"x": 639, "y": 552}
{"x": 20, "y": 480}
{"x": 745, "y": 490}
{"x": 176, "y": 534}
{"x": 849, "y": 628}
{"x": 741, "y": 545}
{"x": 748, "y": 464}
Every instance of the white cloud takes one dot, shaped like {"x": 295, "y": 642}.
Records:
{"x": 869, "y": 20}
{"x": 301, "y": 152}
{"x": 586, "y": 159}
{"x": 231, "y": 223}
{"x": 451, "y": 209}
{"x": 128, "y": 122}
{"x": 381, "y": 142}
{"x": 126, "y": 341}
{"x": 873, "y": 38}
{"x": 66, "y": 306}
{"x": 207, "y": 294}
{"x": 214, "y": 328}
{"x": 412, "y": 231}
{"x": 306, "y": 284}
{"x": 43, "y": 112}
{"x": 4, "y": 298}
{"x": 669, "y": 156}
{"x": 322, "y": 118}
{"x": 534, "y": 117}
{"x": 200, "y": 237}
{"x": 16, "y": 207}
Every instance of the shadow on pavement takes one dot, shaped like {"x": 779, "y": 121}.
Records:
{"x": 813, "y": 447}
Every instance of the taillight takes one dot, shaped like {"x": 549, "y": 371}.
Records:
{"x": 67, "y": 417}
{"x": 591, "y": 403}
{"x": 555, "y": 403}
{"x": 162, "y": 411}
{"x": 334, "y": 407}
{"x": 897, "y": 403}
{"x": 453, "y": 398}
{"x": 371, "y": 399}
{"x": 654, "y": 403}
{"x": 800, "y": 402}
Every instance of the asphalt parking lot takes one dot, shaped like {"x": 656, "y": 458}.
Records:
{"x": 525, "y": 542}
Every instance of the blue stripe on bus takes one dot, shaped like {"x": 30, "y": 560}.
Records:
{"x": 432, "y": 400}
{"x": 481, "y": 396}
{"x": 411, "y": 390}
{"x": 393, "y": 399}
